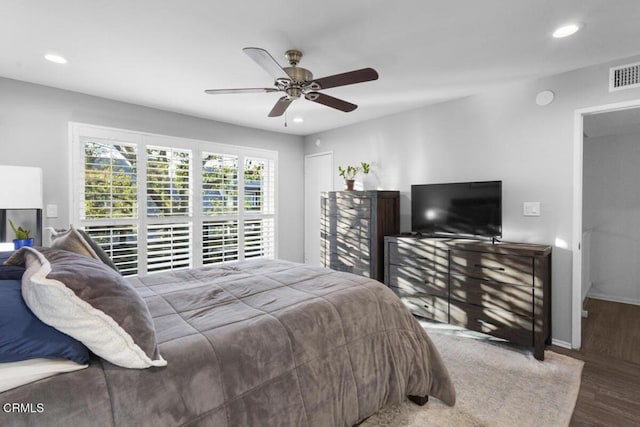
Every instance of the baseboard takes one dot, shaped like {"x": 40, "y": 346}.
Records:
{"x": 561, "y": 343}
{"x": 614, "y": 299}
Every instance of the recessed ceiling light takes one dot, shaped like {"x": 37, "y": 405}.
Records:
{"x": 566, "y": 30}
{"x": 298, "y": 120}
{"x": 55, "y": 58}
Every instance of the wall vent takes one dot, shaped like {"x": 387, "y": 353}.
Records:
{"x": 624, "y": 77}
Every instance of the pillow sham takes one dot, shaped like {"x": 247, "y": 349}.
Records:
{"x": 15, "y": 374}
{"x": 9, "y": 272}
{"x": 23, "y": 336}
{"x": 91, "y": 302}
{"x": 78, "y": 241}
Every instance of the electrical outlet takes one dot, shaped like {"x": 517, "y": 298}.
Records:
{"x": 531, "y": 209}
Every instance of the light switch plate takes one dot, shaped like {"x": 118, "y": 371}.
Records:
{"x": 52, "y": 211}
{"x": 531, "y": 209}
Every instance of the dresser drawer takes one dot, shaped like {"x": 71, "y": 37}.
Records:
{"x": 517, "y": 299}
{"x": 350, "y": 207}
{"x": 414, "y": 280}
{"x": 355, "y": 266}
{"x": 419, "y": 256}
{"x": 349, "y": 227}
{"x": 499, "y": 323}
{"x": 350, "y": 257}
{"x": 492, "y": 267}
{"x": 354, "y": 248}
{"x": 427, "y": 306}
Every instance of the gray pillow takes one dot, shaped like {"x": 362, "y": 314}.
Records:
{"x": 90, "y": 302}
{"x": 78, "y": 241}
{"x": 98, "y": 250}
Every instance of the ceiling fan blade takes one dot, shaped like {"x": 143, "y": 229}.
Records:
{"x": 281, "y": 106}
{"x": 348, "y": 78}
{"x": 330, "y": 101}
{"x": 244, "y": 90}
{"x": 266, "y": 61}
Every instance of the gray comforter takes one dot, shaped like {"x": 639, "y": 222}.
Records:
{"x": 257, "y": 343}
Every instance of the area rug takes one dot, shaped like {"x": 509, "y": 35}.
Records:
{"x": 496, "y": 385}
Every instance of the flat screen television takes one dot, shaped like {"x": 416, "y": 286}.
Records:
{"x": 462, "y": 208}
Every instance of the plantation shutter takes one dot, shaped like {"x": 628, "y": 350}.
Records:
{"x": 169, "y": 208}
{"x": 108, "y": 189}
{"x": 120, "y": 243}
{"x": 168, "y": 182}
{"x": 259, "y": 206}
{"x": 156, "y": 203}
{"x": 109, "y": 184}
{"x": 221, "y": 240}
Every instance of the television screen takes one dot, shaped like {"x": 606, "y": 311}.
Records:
{"x": 464, "y": 208}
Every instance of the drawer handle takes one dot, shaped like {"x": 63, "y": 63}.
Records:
{"x": 489, "y": 267}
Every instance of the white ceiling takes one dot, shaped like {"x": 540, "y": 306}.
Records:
{"x": 164, "y": 53}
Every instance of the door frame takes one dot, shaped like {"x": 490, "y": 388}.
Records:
{"x": 578, "y": 159}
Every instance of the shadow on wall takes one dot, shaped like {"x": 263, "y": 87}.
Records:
{"x": 405, "y": 211}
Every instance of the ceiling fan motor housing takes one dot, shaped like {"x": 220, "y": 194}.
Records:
{"x": 299, "y": 74}
{"x": 300, "y": 77}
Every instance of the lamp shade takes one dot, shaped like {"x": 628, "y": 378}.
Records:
{"x": 20, "y": 187}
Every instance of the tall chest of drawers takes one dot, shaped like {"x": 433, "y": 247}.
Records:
{"x": 502, "y": 289}
{"x": 352, "y": 229}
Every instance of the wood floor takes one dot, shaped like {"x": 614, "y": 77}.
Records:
{"x": 610, "y": 389}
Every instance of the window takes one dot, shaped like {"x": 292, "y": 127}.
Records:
{"x": 156, "y": 203}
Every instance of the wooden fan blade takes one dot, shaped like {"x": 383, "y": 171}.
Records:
{"x": 244, "y": 90}
{"x": 280, "y": 107}
{"x": 348, "y": 78}
{"x": 266, "y": 61}
{"x": 330, "y": 101}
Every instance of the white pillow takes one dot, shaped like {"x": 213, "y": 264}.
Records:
{"x": 15, "y": 374}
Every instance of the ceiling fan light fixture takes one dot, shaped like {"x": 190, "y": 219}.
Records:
{"x": 566, "y": 30}
{"x": 58, "y": 59}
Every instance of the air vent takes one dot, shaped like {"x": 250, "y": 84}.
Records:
{"x": 624, "y": 77}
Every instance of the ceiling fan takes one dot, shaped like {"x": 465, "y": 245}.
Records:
{"x": 296, "y": 81}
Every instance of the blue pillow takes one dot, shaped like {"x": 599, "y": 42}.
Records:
{"x": 9, "y": 272}
{"x": 23, "y": 336}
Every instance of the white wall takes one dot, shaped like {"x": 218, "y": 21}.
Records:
{"x": 34, "y": 127}
{"x": 501, "y": 134}
{"x": 611, "y": 206}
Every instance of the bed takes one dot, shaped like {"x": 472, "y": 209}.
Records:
{"x": 258, "y": 342}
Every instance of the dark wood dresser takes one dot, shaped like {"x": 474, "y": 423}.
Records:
{"x": 502, "y": 289}
{"x": 352, "y": 229}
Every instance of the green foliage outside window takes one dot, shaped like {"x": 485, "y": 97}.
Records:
{"x": 110, "y": 181}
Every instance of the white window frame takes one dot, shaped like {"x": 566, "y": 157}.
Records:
{"x": 79, "y": 132}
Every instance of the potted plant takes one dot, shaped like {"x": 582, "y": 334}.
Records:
{"x": 349, "y": 173}
{"x": 22, "y": 236}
